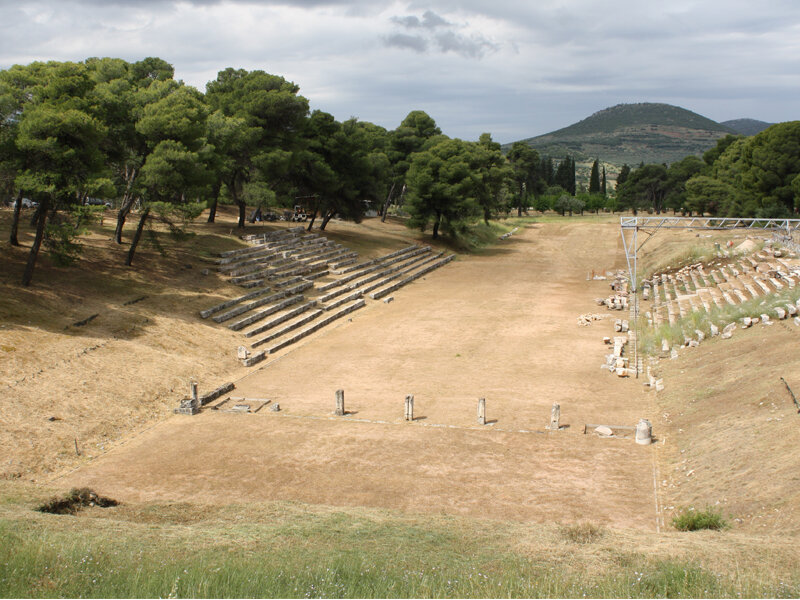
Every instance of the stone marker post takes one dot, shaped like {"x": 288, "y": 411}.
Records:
{"x": 644, "y": 432}
{"x": 193, "y": 395}
{"x": 555, "y": 417}
{"x": 482, "y": 411}
{"x": 339, "y": 403}
{"x": 409, "y": 407}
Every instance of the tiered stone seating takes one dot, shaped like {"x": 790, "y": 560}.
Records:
{"x": 284, "y": 266}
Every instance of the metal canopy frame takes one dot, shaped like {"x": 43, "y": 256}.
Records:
{"x": 631, "y": 226}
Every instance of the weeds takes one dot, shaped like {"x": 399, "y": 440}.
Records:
{"x": 582, "y": 533}
{"x": 695, "y": 520}
{"x": 675, "y": 333}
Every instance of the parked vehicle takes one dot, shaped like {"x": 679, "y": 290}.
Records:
{"x": 98, "y": 202}
{"x": 26, "y": 203}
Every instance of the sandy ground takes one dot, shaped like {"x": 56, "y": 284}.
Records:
{"x": 501, "y": 325}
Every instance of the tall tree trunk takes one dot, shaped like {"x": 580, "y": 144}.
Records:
{"x": 212, "y": 213}
{"x": 127, "y": 202}
{"x": 124, "y": 210}
{"x": 386, "y": 205}
{"x": 436, "y": 225}
{"x": 137, "y": 236}
{"x": 328, "y": 216}
{"x": 314, "y": 213}
{"x": 35, "y": 217}
{"x": 15, "y": 220}
{"x": 27, "y": 276}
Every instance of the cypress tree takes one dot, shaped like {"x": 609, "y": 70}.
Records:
{"x": 572, "y": 188}
{"x": 594, "y": 178}
{"x": 603, "y": 183}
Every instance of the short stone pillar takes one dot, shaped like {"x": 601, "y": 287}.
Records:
{"x": 644, "y": 432}
{"x": 555, "y": 417}
{"x": 193, "y": 393}
{"x": 339, "y": 403}
{"x": 242, "y": 352}
{"x": 481, "y": 411}
{"x": 409, "y": 407}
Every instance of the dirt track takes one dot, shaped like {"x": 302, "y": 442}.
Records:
{"x": 501, "y": 326}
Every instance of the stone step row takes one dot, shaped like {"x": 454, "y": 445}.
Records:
{"x": 343, "y": 300}
{"x": 249, "y": 266}
{"x": 325, "y": 257}
{"x": 379, "y": 263}
{"x": 284, "y": 255}
{"x": 262, "y": 301}
{"x": 377, "y": 272}
{"x": 730, "y": 283}
{"x": 284, "y": 250}
{"x": 381, "y": 259}
{"x": 263, "y": 314}
{"x": 288, "y": 328}
{"x": 291, "y": 314}
{"x": 228, "y": 303}
{"x": 341, "y": 263}
{"x": 305, "y": 273}
{"x": 260, "y": 240}
{"x": 408, "y": 268}
{"x": 409, "y": 279}
{"x": 245, "y": 253}
{"x": 260, "y": 356}
{"x": 360, "y": 303}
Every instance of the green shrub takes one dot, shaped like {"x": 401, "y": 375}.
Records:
{"x": 694, "y": 520}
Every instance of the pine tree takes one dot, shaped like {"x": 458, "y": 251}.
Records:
{"x": 623, "y": 176}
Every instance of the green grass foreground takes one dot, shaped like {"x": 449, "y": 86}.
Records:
{"x": 296, "y": 551}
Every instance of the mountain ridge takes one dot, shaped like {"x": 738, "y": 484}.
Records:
{"x": 746, "y": 126}
{"x": 633, "y": 133}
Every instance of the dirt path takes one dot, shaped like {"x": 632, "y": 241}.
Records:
{"x": 500, "y": 326}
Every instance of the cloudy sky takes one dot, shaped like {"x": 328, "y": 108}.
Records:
{"x": 514, "y": 68}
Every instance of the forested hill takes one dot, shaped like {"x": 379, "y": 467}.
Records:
{"x": 633, "y": 133}
{"x": 746, "y": 126}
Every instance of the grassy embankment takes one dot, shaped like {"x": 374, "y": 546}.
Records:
{"x": 293, "y": 550}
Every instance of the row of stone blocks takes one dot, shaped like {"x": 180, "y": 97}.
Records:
{"x": 728, "y": 282}
{"x": 375, "y": 265}
{"x": 356, "y": 294}
{"x": 408, "y": 268}
{"x": 284, "y": 254}
{"x": 263, "y": 238}
{"x": 193, "y": 404}
{"x": 260, "y": 356}
{"x": 270, "y": 253}
{"x": 412, "y": 277}
{"x": 243, "y": 308}
{"x": 285, "y": 241}
{"x": 273, "y": 264}
{"x": 381, "y": 276}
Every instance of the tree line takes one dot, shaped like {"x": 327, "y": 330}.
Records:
{"x": 106, "y": 128}
{"x": 756, "y": 176}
